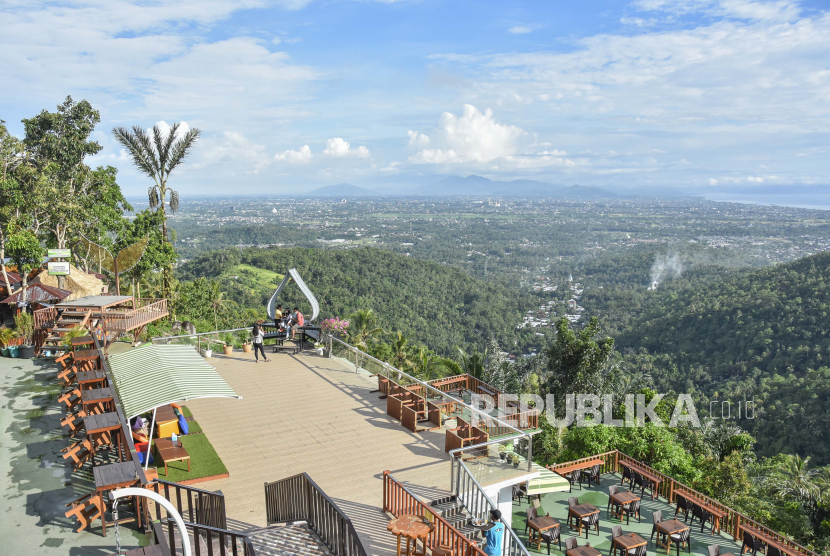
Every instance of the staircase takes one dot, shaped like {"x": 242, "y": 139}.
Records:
{"x": 287, "y": 540}
{"x": 454, "y": 511}
{"x": 69, "y": 320}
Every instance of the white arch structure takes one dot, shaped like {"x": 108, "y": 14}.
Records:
{"x": 127, "y": 492}
{"x": 292, "y": 274}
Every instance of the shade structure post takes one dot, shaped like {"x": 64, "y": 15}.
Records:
{"x": 150, "y": 441}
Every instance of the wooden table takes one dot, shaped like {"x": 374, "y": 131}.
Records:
{"x": 413, "y": 528}
{"x": 540, "y": 524}
{"x": 102, "y": 424}
{"x": 653, "y": 479}
{"x": 567, "y": 469}
{"x": 580, "y": 511}
{"x": 668, "y": 528}
{"x": 767, "y": 539}
{"x": 622, "y": 499}
{"x": 168, "y": 452}
{"x": 96, "y": 397}
{"x": 717, "y": 514}
{"x": 628, "y": 541}
{"x": 85, "y": 355}
{"x": 113, "y": 476}
{"x": 91, "y": 379}
{"x": 81, "y": 341}
{"x": 584, "y": 550}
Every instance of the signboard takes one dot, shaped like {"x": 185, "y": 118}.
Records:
{"x": 58, "y": 268}
{"x": 59, "y": 253}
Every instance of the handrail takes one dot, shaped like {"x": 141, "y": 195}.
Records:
{"x": 207, "y": 534}
{"x": 299, "y": 498}
{"x": 399, "y": 500}
{"x": 208, "y": 508}
{"x": 472, "y": 495}
{"x": 732, "y": 521}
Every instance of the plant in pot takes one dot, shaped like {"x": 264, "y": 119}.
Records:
{"x": 6, "y": 336}
{"x": 227, "y": 337}
{"x": 515, "y": 459}
{"x": 25, "y": 325}
{"x": 244, "y": 336}
{"x": 502, "y": 452}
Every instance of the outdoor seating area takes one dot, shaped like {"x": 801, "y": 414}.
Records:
{"x": 622, "y": 507}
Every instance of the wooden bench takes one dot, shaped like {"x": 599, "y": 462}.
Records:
{"x": 717, "y": 514}
{"x": 286, "y": 347}
{"x": 86, "y": 509}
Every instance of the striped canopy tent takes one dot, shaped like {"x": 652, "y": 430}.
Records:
{"x": 152, "y": 376}
{"x": 547, "y": 481}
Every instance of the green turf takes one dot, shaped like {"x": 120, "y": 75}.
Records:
{"x": 204, "y": 461}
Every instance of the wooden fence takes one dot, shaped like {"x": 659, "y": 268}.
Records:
{"x": 733, "y": 521}
{"x": 398, "y": 501}
{"x": 202, "y": 507}
{"x": 130, "y": 319}
{"x": 298, "y": 498}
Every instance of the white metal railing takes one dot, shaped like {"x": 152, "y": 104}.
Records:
{"x": 475, "y": 500}
{"x": 199, "y": 337}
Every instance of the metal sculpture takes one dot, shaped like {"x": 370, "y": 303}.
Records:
{"x": 126, "y": 259}
{"x": 293, "y": 274}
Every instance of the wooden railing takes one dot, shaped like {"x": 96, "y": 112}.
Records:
{"x": 125, "y": 320}
{"x": 45, "y": 317}
{"x": 298, "y": 498}
{"x": 217, "y": 541}
{"x": 202, "y": 507}
{"x": 733, "y": 521}
{"x": 398, "y": 501}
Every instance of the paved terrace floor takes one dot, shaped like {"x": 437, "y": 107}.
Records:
{"x": 306, "y": 413}
{"x": 556, "y": 504}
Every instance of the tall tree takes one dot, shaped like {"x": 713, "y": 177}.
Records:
{"x": 362, "y": 326}
{"x": 157, "y": 155}
{"x": 58, "y": 143}
{"x": 577, "y": 361}
{"x": 11, "y": 158}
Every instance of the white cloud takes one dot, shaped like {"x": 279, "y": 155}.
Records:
{"x": 301, "y": 156}
{"x": 472, "y": 136}
{"x": 236, "y": 151}
{"x": 339, "y": 147}
{"x": 520, "y": 30}
{"x": 713, "y": 181}
{"x": 417, "y": 139}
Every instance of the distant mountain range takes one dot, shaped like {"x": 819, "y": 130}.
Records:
{"x": 478, "y": 185}
{"x": 342, "y": 190}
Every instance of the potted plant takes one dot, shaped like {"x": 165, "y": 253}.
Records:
{"x": 6, "y": 336}
{"x": 516, "y": 460}
{"x": 244, "y": 336}
{"x": 227, "y": 337}
{"x": 25, "y": 325}
{"x": 502, "y": 452}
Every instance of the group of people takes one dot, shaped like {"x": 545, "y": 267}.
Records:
{"x": 286, "y": 322}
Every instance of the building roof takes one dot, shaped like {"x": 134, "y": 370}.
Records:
{"x": 96, "y": 301}
{"x": 155, "y": 375}
{"x": 14, "y": 278}
{"x": 78, "y": 282}
{"x": 38, "y": 293}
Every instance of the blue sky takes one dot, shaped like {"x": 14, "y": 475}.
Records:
{"x": 296, "y": 94}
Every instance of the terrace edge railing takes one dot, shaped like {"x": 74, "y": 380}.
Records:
{"x": 470, "y": 493}
{"x": 732, "y": 520}
{"x": 398, "y": 501}
{"x": 124, "y": 321}
{"x": 203, "y": 507}
{"x": 229, "y": 541}
{"x": 299, "y": 498}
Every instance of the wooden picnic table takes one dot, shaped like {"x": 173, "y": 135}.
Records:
{"x": 628, "y": 541}
{"x": 766, "y": 539}
{"x": 717, "y": 514}
{"x": 100, "y": 397}
{"x": 640, "y": 470}
{"x": 85, "y": 355}
{"x": 579, "y": 511}
{"x": 413, "y": 528}
{"x": 623, "y": 499}
{"x": 668, "y": 528}
{"x": 584, "y": 550}
{"x": 102, "y": 424}
{"x": 91, "y": 378}
{"x": 169, "y": 452}
{"x": 566, "y": 469}
{"x": 539, "y": 524}
{"x": 114, "y": 476}
{"x": 81, "y": 341}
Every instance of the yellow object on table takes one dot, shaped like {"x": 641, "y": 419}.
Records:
{"x": 168, "y": 429}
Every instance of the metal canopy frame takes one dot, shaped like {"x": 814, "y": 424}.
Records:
{"x": 292, "y": 274}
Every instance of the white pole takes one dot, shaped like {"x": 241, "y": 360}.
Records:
{"x": 150, "y": 441}
{"x": 171, "y": 510}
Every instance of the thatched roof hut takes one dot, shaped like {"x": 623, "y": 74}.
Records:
{"x": 80, "y": 283}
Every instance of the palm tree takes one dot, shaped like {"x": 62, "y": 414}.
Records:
{"x": 798, "y": 479}
{"x": 472, "y": 364}
{"x": 401, "y": 352}
{"x": 362, "y": 326}
{"x": 157, "y": 156}
{"x": 217, "y": 302}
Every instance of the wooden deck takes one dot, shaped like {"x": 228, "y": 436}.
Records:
{"x": 306, "y": 413}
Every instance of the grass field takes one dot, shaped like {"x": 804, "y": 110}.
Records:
{"x": 258, "y": 275}
{"x": 204, "y": 461}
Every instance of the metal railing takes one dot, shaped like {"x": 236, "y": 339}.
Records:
{"x": 387, "y": 370}
{"x": 298, "y": 498}
{"x": 202, "y": 507}
{"x": 475, "y": 500}
{"x": 199, "y": 337}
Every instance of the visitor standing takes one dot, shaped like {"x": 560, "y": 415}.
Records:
{"x": 259, "y": 336}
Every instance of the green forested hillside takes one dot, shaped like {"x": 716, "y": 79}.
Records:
{"x": 432, "y": 303}
{"x": 759, "y": 335}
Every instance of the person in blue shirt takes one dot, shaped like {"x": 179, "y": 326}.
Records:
{"x": 494, "y": 535}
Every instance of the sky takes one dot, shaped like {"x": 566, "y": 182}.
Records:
{"x": 291, "y": 95}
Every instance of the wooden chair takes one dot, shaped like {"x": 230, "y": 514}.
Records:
{"x": 551, "y": 535}
{"x": 626, "y": 475}
{"x": 591, "y": 521}
{"x": 702, "y": 515}
{"x": 574, "y": 476}
{"x": 572, "y": 501}
{"x": 532, "y": 513}
{"x": 79, "y": 452}
{"x": 752, "y": 544}
{"x": 658, "y": 517}
{"x": 682, "y": 506}
{"x": 593, "y": 475}
{"x": 630, "y": 509}
{"x": 612, "y": 490}
{"x": 74, "y": 420}
{"x": 573, "y": 542}
{"x": 680, "y": 538}
{"x": 71, "y": 398}
{"x": 64, "y": 360}
{"x": 67, "y": 376}
{"x": 85, "y": 509}
{"x": 714, "y": 550}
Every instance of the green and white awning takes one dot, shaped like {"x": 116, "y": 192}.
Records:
{"x": 548, "y": 481}
{"x": 155, "y": 375}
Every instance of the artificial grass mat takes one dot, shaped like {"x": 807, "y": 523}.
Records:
{"x": 204, "y": 461}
